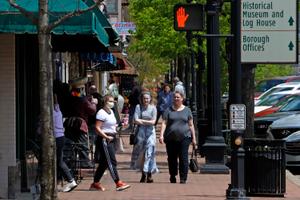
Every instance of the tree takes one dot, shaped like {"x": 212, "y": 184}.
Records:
{"x": 44, "y": 27}
{"x": 155, "y": 36}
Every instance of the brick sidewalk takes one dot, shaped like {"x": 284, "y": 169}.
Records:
{"x": 198, "y": 186}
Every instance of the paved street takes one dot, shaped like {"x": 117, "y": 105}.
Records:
{"x": 199, "y": 186}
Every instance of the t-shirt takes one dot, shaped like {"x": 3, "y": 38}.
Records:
{"x": 177, "y": 124}
{"x": 148, "y": 113}
{"x": 58, "y": 122}
{"x": 109, "y": 121}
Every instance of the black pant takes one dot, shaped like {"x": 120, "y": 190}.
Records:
{"x": 159, "y": 113}
{"x": 179, "y": 150}
{"x": 107, "y": 159}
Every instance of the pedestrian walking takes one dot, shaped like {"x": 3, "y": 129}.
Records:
{"x": 106, "y": 124}
{"x": 165, "y": 99}
{"x": 133, "y": 101}
{"x": 178, "y": 86}
{"x": 58, "y": 130}
{"x": 178, "y": 132}
{"x": 144, "y": 149}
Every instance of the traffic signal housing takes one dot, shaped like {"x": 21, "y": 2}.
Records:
{"x": 189, "y": 17}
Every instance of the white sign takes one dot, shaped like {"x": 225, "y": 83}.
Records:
{"x": 237, "y": 117}
{"x": 124, "y": 28}
{"x": 269, "y": 31}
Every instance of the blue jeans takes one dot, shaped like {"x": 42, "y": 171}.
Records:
{"x": 61, "y": 165}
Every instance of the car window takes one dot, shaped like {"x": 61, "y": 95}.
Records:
{"x": 293, "y": 105}
{"x": 285, "y": 100}
{"x": 263, "y": 86}
{"x": 271, "y": 100}
{"x": 273, "y": 90}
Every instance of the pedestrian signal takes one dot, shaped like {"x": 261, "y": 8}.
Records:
{"x": 189, "y": 17}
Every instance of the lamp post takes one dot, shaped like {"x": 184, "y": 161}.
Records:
{"x": 214, "y": 146}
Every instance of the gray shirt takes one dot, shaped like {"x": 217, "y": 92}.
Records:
{"x": 177, "y": 124}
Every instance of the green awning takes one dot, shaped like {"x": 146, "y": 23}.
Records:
{"x": 113, "y": 35}
{"x": 89, "y": 23}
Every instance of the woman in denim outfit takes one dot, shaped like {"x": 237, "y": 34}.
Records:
{"x": 145, "y": 117}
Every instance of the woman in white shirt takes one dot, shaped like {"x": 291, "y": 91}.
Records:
{"x": 106, "y": 124}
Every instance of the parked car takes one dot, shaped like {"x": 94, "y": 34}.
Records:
{"x": 278, "y": 105}
{"x": 272, "y": 99}
{"x": 291, "y": 86}
{"x": 261, "y": 124}
{"x": 285, "y": 126}
{"x": 292, "y": 153}
{"x": 264, "y": 85}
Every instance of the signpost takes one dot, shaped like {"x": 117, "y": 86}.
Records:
{"x": 269, "y": 31}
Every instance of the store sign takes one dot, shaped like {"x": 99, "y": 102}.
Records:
{"x": 124, "y": 28}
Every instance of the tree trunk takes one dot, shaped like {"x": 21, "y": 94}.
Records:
{"x": 248, "y": 73}
{"x": 48, "y": 161}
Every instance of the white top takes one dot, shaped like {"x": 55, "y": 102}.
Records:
{"x": 109, "y": 121}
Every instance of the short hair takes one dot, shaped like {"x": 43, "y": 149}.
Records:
{"x": 176, "y": 79}
{"x": 106, "y": 98}
{"x": 180, "y": 93}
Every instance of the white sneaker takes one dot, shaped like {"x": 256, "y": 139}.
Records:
{"x": 70, "y": 186}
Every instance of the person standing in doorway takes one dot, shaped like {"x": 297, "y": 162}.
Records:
{"x": 106, "y": 124}
{"x": 178, "y": 132}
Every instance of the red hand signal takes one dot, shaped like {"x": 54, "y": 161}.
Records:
{"x": 181, "y": 17}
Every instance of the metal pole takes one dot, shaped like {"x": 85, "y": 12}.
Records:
{"x": 201, "y": 106}
{"x": 188, "y": 67}
{"x": 236, "y": 188}
{"x": 194, "y": 93}
{"x": 214, "y": 146}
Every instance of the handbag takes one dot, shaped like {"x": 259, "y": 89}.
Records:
{"x": 133, "y": 135}
{"x": 193, "y": 165}
{"x": 133, "y": 139}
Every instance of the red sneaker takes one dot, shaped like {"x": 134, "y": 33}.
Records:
{"x": 97, "y": 186}
{"x": 121, "y": 186}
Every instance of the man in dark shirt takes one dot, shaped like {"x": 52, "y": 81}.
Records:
{"x": 133, "y": 101}
{"x": 82, "y": 107}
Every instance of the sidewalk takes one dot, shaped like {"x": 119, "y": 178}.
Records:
{"x": 198, "y": 186}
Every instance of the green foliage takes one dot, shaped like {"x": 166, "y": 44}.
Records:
{"x": 269, "y": 71}
{"x": 155, "y": 41}
{"x": 155, "y": 33}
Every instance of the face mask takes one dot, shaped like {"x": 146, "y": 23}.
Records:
{"x": 110, "y": 104}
